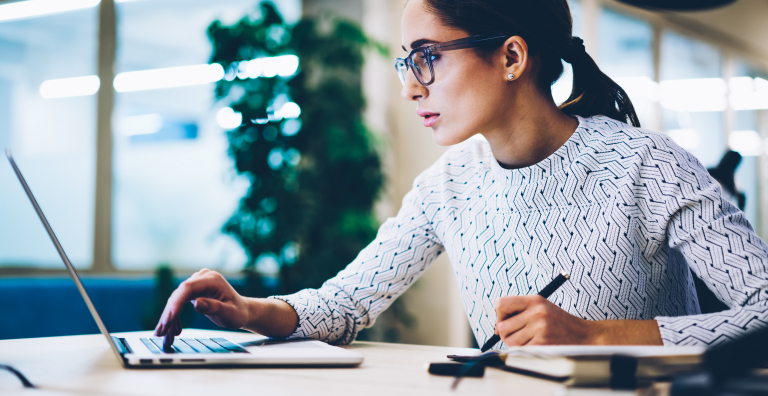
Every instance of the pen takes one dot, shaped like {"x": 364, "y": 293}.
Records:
{"x": 545, "y": 292}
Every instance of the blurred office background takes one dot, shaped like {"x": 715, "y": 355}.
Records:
{"x": 162, "y": 193}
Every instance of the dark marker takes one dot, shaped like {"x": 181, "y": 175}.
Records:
{"x": 545, "y": 292}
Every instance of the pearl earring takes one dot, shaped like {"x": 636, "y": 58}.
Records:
{"x": 510, "y": 76}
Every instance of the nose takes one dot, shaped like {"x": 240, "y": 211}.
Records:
{"x": 412, "y": 90}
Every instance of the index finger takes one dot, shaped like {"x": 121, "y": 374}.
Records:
{"x": 188, "y": 290}
{"x": 512, "y": 305}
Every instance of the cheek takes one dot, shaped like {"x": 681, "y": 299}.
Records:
{"x": 470, "y": 103}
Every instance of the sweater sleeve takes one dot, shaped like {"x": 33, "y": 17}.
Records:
{"x": 404, "y": 248}
{"x": 721, "y": 247}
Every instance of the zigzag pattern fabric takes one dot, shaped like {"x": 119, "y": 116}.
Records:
{"x": 624, "y": 210}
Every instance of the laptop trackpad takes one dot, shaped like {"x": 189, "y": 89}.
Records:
{"x": 282, "y": 344}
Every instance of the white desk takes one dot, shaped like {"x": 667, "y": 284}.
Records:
{"x": 84, "y": 365}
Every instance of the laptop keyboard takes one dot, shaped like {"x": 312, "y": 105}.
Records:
{"x": 193, "y": 345}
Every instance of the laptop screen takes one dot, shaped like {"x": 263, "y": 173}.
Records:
{"x": 63, "y": 255}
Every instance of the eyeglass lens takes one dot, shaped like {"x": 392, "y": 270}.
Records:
{"x": 402, "y": 69}
{"x": 420, "y": 68}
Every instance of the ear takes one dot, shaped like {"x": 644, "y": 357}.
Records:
{"x": 515, "y": 55}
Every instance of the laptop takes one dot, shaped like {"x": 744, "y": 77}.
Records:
{"x": 148, "y": 352}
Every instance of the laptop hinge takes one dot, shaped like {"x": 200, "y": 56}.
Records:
{"x": 122, "y": 345}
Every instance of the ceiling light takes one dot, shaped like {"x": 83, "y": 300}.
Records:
{"x": 747, "y": 93}
{"x": 746, "y": 143}
{"x": 68, "y": 87}
{"x": 33, "y": 8}
{"x": 283, "y": 66}
{"x": 172, "y": 77}
{"x": 694, "y": 94}
{"x": 168, "y": 78}
{"x": 689, "y": 139}
{"x": 640, "y": 87}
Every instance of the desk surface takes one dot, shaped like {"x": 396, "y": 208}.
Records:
{"x": 84, "y": 365}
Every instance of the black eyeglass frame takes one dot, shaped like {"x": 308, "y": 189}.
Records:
{"x": 428, "y": 50}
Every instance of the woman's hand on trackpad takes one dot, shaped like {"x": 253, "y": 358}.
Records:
{"x": 212, "y": 296}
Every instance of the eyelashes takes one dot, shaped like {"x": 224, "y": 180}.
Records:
{"x": 432, "y": 57}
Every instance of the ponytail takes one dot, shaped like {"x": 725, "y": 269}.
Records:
{"x": 547, "y": 27}
{"x": 593, "y": 92}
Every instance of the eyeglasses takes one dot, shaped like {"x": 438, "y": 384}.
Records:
{"x": 419, "y": 60}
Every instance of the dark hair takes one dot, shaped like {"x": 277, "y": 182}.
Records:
{"x": 547, "y": 28}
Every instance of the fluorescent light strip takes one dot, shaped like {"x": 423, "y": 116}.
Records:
{"x": 694, "y": 94}
{"x": 703, "y": 94}
{"x": 68, "y": 87}
{"x": 746, "y": 143}
{"x": 689, "y": 139}
{"x": 171, "y": 77}
{"x": 33, "y": 8}
{"x": 748, "y": 94}
{"x": 640, "y": 87}
{"x": 284, "y": 65}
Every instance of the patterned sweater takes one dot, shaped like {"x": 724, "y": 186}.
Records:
{"x": 625, "y": 211}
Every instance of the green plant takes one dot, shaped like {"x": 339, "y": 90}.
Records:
{"x": 309, "y": 209}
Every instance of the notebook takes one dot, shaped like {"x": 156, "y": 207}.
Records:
{"x": 603, "y": 365}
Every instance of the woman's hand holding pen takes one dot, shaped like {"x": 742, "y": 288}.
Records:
{"x": 534, "y": 320}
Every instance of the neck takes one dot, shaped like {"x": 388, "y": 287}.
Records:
{"x": 531, "y": 132}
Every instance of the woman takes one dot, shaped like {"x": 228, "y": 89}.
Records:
{"x": 625, "y": 211}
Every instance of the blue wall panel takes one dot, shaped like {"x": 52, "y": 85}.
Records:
{"x": 44, "y": 307}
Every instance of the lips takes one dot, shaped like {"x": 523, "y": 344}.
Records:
{"x": 430, "y": 118}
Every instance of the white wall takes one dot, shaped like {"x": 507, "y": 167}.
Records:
{"x": 433, "y": 299}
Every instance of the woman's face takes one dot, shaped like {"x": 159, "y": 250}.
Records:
{"x": 468, "y": 93}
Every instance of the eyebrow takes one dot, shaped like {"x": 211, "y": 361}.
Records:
{"x": 418, "y": 43}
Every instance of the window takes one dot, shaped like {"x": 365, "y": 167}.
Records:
{"x": 748, "y": 97}
{"x": 50, "y": 125}
{"x": 626, "y": 55}
{"x": 174, "y": 183}
{"x": 692, "y": 95}
{"x": 561, "y": 89}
